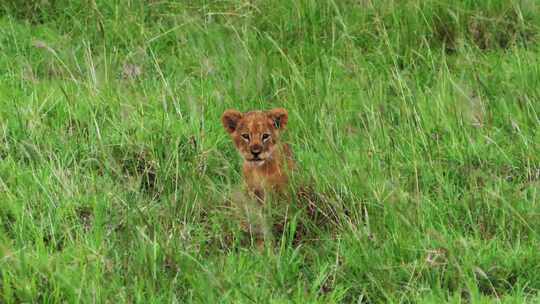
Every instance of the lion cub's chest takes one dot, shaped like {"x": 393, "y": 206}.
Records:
{"x": 273, "y": 175}
{"x": 267, "y": 177}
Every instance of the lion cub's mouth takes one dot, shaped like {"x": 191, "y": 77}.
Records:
{"x": 256, "y": 161}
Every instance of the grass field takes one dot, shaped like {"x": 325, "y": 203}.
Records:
{"x": 416, "y": 125}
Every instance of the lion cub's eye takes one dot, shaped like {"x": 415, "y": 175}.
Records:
{"x": 265, "y": 136}
{"x": 245, "y": 136}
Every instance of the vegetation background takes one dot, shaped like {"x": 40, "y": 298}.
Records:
{"x": 415, "y": 123}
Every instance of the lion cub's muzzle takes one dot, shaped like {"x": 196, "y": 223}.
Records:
{"x": 256, "y": 151}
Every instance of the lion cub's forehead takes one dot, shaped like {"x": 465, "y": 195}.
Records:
{"x": 255, "y": 122}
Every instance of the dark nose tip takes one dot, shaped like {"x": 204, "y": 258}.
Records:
{"x": 256, "y": 150}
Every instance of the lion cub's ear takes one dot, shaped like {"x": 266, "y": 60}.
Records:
{"x": 230, "y": 120}
{"x": 280, "y": 117}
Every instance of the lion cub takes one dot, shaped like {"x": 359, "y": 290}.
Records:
{"x": 267, "y": 161}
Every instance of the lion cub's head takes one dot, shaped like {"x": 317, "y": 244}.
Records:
{"x": 256, "y": 133}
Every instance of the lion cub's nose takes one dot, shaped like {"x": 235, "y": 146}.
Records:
{"x": 256, "y": 150}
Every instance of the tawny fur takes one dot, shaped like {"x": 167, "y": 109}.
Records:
{"x": 267, "y": 161}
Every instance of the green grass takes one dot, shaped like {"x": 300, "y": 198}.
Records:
{"x": 416, "y": 125}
